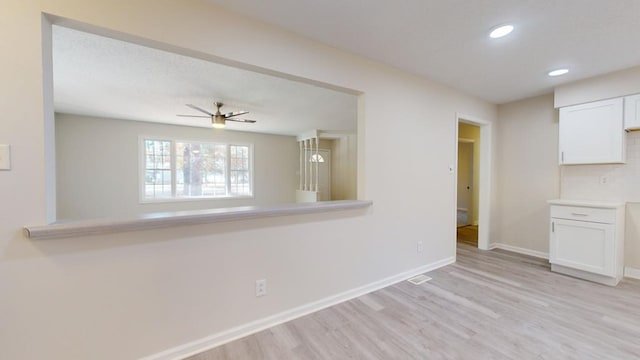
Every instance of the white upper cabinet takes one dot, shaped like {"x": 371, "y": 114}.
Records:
{"x": 592, "y": 133}
{"x": 632, "y": 112}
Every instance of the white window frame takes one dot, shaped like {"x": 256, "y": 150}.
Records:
{"x": 142, "y": 171}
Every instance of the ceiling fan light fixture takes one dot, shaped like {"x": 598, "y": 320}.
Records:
{"x": 218, "y": 122}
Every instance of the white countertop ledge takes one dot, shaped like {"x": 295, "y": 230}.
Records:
{"x": 587, "y": 203}
{"x": 181, "y": 218}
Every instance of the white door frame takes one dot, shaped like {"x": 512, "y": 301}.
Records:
{"x": 484, "y": 186}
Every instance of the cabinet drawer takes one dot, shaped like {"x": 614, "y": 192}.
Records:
{"x": 606, "y": 216}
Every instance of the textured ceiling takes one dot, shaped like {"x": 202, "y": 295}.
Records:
{"x": 446, "y": 40}
{"x": 442, "y": 40}
{"x": 99, "y": 76}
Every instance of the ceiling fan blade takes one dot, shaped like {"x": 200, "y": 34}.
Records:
{"x": 198, "y": 116}
{"x": 242, "y": 120}
{"x": 199, "y": 109}
{"x": 235, "y": 113}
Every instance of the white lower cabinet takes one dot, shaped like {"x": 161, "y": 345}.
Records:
{"x": 587, "y": 240}
{"x": 583, "y": 245}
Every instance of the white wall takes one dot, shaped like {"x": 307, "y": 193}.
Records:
{"x": 344, "y": 168}
{"x": 129, "y": 295}
{"x": 528, "y": 172}
{"x": 615, "y": 84}
{"x": 97, "y": 166}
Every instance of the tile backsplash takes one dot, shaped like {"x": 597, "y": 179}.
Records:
{"x": 619, "y": 182}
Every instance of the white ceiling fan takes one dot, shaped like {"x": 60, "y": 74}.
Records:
{"x": 218, "y": 120}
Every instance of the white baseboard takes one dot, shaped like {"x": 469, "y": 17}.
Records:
{"x": 632, "y": 273}
{"x": 209, "y": 342}
{"x": 519, "y": 250}
{"x": 629, "y": 272}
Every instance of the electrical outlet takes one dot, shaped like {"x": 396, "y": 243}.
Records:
{"x": 604, "y": 180}
{"x": 261, "y": 287}
{"x": 419, "y": 246}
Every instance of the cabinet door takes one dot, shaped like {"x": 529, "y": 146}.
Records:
{"x": 592, "y": 133}
{"x": 583, "y": 245}
{"x": 632, "y": 112}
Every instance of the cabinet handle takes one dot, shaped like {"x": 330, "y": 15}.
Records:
{"x": 562, "y": 156}
{"x": 579, "y": 214}
{"x": 553, "y": 227}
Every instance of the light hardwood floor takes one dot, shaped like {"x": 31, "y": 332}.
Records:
{"x": 489, "y": 305}
{"x": 468, "y": 234}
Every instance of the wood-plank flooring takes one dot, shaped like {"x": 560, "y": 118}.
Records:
{"x": 488, "y": 305}
{"x": 468, "y": 234}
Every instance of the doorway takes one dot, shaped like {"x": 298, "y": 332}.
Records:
{"x": 473, "y": 148}
{"x": 323, "y": 158}
{"x": 467, "y": 205}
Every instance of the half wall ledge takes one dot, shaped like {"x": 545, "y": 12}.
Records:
{"x": 180, "y": 218}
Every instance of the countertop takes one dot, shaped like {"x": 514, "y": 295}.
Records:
{"x": 587, "y": 203}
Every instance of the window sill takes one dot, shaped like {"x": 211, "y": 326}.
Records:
{"x": 189, "y": 199}
{"x": 180, "y": 218}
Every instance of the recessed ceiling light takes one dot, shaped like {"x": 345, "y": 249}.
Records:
{"x": 558, "y": 72}
{"x": 501, "y": 31}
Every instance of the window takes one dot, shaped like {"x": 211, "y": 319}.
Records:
{"x": 193, "y": 170}
{"x": 316, "y": 158}
{"x": 239, "y": 169}
{"x": 157, "y": 169}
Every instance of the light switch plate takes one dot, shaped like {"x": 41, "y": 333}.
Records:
{"x": 5, "y": 157}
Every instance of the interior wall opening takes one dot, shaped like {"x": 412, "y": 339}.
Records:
{"x": 467, "y": 205}
{"x": 473, "y": 144}
{"x": 105, "y": 95}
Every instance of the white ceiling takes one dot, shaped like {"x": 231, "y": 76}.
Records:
{"x": 446, "y": 40}
{"x": 99, "y": 76}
